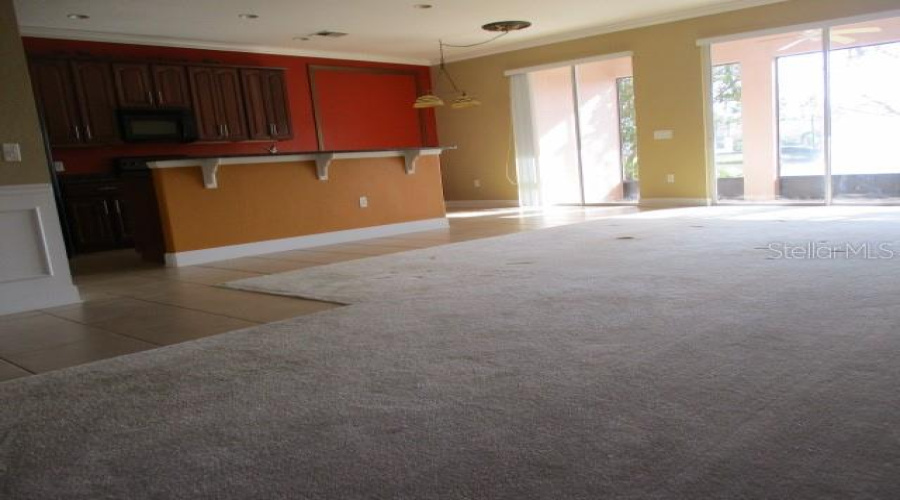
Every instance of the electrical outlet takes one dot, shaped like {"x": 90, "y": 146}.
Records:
{"x": 363, "y": 202}
{"x": 11, "y": 152}
{"x": 670, "y": 178}
{"x": 477, "y": 183}
{"x": 59, "y": 166}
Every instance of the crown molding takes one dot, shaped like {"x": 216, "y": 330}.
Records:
{"x": 644, "y": 22}
{"x": 99, "y": 36}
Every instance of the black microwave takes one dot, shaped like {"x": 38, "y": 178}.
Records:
{"x": 157, "y": 125}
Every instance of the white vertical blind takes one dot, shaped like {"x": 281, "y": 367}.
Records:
{"x": 526, "y": 155}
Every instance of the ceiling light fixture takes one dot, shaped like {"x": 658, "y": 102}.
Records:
{"x": 78, "y": 17}
{"x": 248, "y": 16}
{"x": 423, "y": 6}
{"x": 464, "y": 100}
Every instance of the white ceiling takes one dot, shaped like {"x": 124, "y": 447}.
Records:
{"x": 383, "y": 30}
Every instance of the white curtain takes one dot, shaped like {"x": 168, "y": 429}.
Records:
{"x": 526, "y": 154}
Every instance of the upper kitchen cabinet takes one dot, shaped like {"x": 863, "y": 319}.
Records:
{"x": 96, "y": 100}
{"x": 171, "y": 86}
{"x": 141, "y": 85}
{"x": 133, "y": 85}
{"x": 218, "y": 103}
{"x": 77, "y": 101}
{"x": 55, "y": 96}
{"x": 265, "y": 96}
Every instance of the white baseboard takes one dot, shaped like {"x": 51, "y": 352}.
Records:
{"x": 674, "y": 202}
{"x": 195, "y": 257}
{"x": 34, "y": 271}
{"x": 462, "y": 204}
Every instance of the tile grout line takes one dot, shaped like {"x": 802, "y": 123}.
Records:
{"x": 104, "y": 330}
{"x": 17, "y": 365}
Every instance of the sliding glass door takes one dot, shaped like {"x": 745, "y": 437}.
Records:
{"x": 865, "y": 111}
{"x": 576, "y": 133}
{"x": 808, "y": 116}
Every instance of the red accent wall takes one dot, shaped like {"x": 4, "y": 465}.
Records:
{"x": 360, "y": 132}
{"x": 342, "y": 97}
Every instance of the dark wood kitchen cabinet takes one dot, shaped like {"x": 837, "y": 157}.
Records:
{"x": 96, "y": 100}
{"x": 218, "y": 103}
{"x": 98, "y": 215}
{"x": 77, "y": 101}
{"x": 55, "y": 97}
{"x": 171, "y": 85}
{"x": 265, "y": 96}
{"x": 141, "y": 85}
{"x": 134, "y": 87}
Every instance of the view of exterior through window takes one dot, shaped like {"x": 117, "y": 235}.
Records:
{"x": 628, "y": 137}
{"x": 808, "y": 116}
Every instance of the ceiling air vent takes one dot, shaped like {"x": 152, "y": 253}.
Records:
{"x": 329, "y": 34}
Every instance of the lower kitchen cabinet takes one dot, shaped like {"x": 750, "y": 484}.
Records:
{"x": 98, "y": 215}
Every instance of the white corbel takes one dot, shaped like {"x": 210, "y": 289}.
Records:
{"x": 410, "y": 158}
{"x": 323, "y": 161}
{"x": 210, "y": 168}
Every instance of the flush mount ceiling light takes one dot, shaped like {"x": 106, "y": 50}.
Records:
{"x": 506, "y": 26}
{"x": 78, "y": 17}
{"x": 330, "y": 34}
{"x": 248, "y": 16}
{"x": 464, "y": 100}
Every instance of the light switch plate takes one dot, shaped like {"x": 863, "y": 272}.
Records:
{"x": 59, "y": 166}
{"x": 663, "y": 135}
{"x": 363, "y": 201}
{"x": 11, "y": 152}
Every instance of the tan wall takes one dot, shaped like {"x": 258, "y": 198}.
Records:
{"x": 262, "y": 202}
{"x": 18, "y": 115}
{"x": 668, "y": 86}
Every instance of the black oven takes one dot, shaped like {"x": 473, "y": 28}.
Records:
{"x": 157, "y": 125}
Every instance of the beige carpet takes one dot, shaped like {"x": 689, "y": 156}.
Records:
{"x": 664, "y": 355}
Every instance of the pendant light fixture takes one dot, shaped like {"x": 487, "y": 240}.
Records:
{"x": 463, "y": 99}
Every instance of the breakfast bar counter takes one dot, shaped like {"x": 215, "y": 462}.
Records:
{"x": 223, "y": 207}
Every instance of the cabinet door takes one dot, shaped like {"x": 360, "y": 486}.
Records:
{"x": 53, "y": 92}
{"x": 90, "y": 221}
{"x": 134, "y": 87}
{"x": 229, "y": 86}
{"x": 171, "y": 86}
{"x": 266, "y": 101}
{"x": 96, "y": 99}
{"x": 256, "y": 101}
{"x": 279, "y": 109}
{"x": 121, "y": 220}
{"x": 207, "y": 102}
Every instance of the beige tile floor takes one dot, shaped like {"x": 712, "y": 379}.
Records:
{"x": 131, "y": 306}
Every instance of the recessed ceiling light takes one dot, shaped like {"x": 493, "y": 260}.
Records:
{"x": 423, "y": 6}
{"x": 79, "y": 17}
{"x": 248, "y": 16}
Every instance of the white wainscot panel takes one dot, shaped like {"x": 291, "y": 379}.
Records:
{"x": 23, "y": 249}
